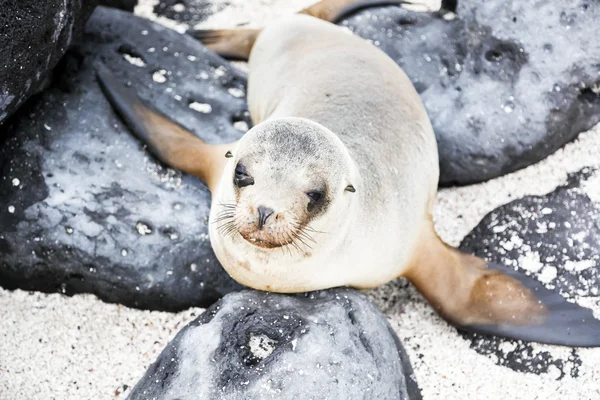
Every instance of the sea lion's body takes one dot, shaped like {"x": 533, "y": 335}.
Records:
{"x": 335, "y": 183}
{"x": 304, "y": 67}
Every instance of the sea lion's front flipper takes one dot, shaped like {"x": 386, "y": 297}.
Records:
{"x": 166, "y": 140}
{"x": 336, "y": 10}
{"x": 496, "y": 300}
{"x": 232, "y": 44}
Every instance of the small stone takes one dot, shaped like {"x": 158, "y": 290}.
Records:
{"x": 201, "y": 107}
{"x": 143, "y": 229}
{"x": 160, "y": 76}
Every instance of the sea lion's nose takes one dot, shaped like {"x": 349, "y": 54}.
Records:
{"x": 263, "y": 214}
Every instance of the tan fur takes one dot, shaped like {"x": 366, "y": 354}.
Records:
{"x": 308, "y": 76}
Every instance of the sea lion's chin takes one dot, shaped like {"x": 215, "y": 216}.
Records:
{"x": 262, "y": 240}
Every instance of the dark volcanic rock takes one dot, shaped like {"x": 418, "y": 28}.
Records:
{"x": 189, "y": 12}
{"x": 83, "y": 207}
{"x": 505, "y": 83}
{"x": 128, "y": 5}
{"x": 556, "y": 238}
{"x": 34, "y": 35}
{"x": 253, "y": 345}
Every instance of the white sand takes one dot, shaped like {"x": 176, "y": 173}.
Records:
{"x": 57, "y": 347}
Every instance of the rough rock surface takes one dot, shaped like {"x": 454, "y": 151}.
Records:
{"x": 332, "y": 344}
{"x": 189, "y": 12}
{"x": 555, "y": 238}
{"x": 83, "y": 207}
{"x": 504, "y": 83}
{"x": 128, "y": 5}
{"x": 34, "y": 35}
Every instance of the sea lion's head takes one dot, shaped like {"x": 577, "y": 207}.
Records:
{"x": 288, "y": 181}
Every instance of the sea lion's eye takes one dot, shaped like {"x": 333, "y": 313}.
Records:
{"x": 316, "y": 199}
{"x": 241, "y": 178}
{"x": 315, "y": 196}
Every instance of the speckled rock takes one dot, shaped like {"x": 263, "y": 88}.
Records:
{"x": 34, "y": 35}
{"x": 254, "y": 345}
{"x": 556, "y": 239}
{"x": 504, "y": 83}
{"x": 189, "y": 12}
{"x": 83, "y": 207}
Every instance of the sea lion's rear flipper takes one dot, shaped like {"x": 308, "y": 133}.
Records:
{"x": 236, "y": 44}
{"x": 232, "y": 44}
{"x": 496, "y": 300}
{"x": 336, "y": 10}
{"x": 166, "y": 140}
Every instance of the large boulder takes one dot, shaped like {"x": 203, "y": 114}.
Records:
{"x": 332, "y": 344}
{"x": 556, "y": 239}
{"x": 83, "y": 207}
{"x": 504, "y": 83}
{"x": 34, "y": 35}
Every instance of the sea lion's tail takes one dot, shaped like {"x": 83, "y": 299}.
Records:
{"x": 166, "y": 140}
{"x": 236, "y": 44}
{"x": 493, "y": 299}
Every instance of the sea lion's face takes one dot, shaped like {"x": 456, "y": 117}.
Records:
{"x": 285, "y": 178}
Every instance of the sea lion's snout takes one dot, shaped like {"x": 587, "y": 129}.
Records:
{"x": 263, "y": 227}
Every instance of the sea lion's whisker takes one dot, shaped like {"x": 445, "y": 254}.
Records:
{"x": 292, "y": 242}
{"x": 305, "y": 235}
{"x": 296, "y": 236}
{"x": 311, "y": 229}
{"x": 301, "y": 226}
{"x": 222, "y": 218}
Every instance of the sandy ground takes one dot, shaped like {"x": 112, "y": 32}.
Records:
{"x": 57, "y": 347}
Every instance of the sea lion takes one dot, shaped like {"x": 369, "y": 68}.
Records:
{"x": 335, "y": 185}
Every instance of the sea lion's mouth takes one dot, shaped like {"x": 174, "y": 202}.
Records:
{"x": 262, "y": 241}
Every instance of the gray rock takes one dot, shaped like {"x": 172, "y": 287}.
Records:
{"x": 253, "y": 345}
{"x": 504, "y": 83}
{"x": 127, "y": 5}
{"x": 83, "y": 207}
{"x": 189, "y": 12}
{"x": 34, "y": 35}
{"x": 556, "y": 239}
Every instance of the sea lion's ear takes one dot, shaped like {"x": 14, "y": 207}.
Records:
{"x": 493, "y": 299}
{"x": 166, "y": 140}
{"x": 350, "y": 189}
